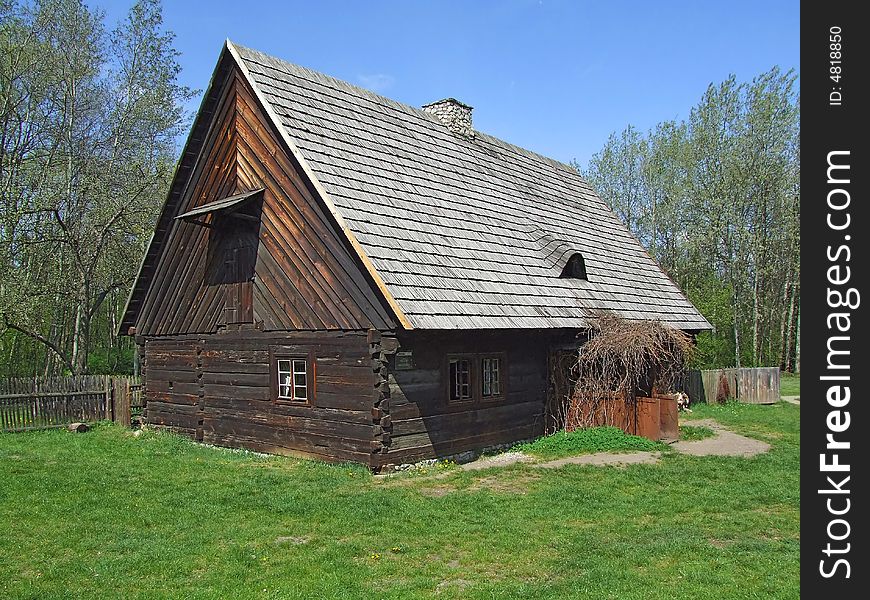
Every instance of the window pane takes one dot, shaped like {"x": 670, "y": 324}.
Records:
{"x": 489, "y": 368}
{"x": 292, "y": 379}
{"x": 284, "y": 388}
{"x": 459, "y": 378}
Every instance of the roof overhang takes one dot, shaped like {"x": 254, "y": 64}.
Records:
{"x": 227, "y": 206}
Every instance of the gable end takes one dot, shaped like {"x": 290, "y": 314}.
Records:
{"x": 303, "y": 274}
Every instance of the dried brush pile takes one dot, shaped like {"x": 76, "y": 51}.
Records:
{"x": 623, "y": 360}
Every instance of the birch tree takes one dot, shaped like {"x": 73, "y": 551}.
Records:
{"x": 90, "y": 119}
{"x": 716, "y": 200}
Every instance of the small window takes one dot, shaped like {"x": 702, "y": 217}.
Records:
{"x": 490, "y": 368}
{"x": 475, "y": 377}
{"x": 460, "y": 379}
{"x": 575, "y": 268}
{"x": 292, "y": 379}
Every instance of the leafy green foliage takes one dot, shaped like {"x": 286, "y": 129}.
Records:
{"x": 712, "y": 297}
{"x": 90, "y": 119}
{"x": 111, "y": 360}
{"x": 716, "y": 200}
{"x": 589, "y": 440}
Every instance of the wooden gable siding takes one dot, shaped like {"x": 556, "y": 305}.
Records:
{"x": 217, "y": 388}
{"x": 304, "y": 276}
{"x": 425, "y": 425}
{"x": 177, "y": 301}
{"x": 303, "y": 264}
{"x": 188, "y": 160}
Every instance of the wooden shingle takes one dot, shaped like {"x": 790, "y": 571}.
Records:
{"x": 466, "y": 232}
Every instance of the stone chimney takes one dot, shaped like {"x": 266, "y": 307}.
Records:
{"x": 454, "y": 114}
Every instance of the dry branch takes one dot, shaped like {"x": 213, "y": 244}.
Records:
{"x": 623, "y": 360}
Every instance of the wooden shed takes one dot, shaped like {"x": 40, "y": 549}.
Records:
{"x": 338, "y": 275}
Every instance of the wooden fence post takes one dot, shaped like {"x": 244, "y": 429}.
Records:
{"x": 121, "y": 393}
{"x": 110, "y": 413}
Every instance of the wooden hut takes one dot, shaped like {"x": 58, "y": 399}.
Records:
{"x": 338, "y": 275}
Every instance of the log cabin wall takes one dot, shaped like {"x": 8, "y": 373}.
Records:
{"x": 426, "y": 424}
{"x": 219, "y": 389}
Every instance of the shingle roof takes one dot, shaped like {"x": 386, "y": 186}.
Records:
{"x": 466, "y": 233}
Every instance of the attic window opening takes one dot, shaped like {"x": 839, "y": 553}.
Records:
{"x": 575, "y": 267}
{"x": 230, "y": 207}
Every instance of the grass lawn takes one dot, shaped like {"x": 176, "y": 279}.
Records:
{"x": 586, "y": 441}
{"x": 108, "y": 515}
{"x": 790, "y": 384}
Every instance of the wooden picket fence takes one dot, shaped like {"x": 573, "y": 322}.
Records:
{"x": 752, "y": 386}
{"x": 47, "y": 402}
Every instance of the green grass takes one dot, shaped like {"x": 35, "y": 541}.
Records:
{"x": 693, "y": 433}
{"x": 790, "y": 384}
{"x": 585, "y": 441}
{"x": 108, "y": 515}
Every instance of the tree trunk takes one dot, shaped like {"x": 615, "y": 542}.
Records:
{"x": 756, "y": 321}
{"x": 76, "y": 337}
{"x": 797, "y": 350}
{"x": 793, "y": 319}
{"x": 736, "y": 330}
{"x": 784, "y": 323}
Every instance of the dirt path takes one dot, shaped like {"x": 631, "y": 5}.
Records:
{"x": 602, "y": 459}
{"x": 499, "y": 460}
{"x": 724, "y": 443}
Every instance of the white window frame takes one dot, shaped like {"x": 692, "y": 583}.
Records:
{"x": 490, "y": 369}
{"x": 290, "y": 370}
{"x": 458, "y": 386}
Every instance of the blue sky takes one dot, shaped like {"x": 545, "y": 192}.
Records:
{"x": 556, "y": 77}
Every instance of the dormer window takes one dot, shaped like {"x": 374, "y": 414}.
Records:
{"x": 575, "y": 268}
